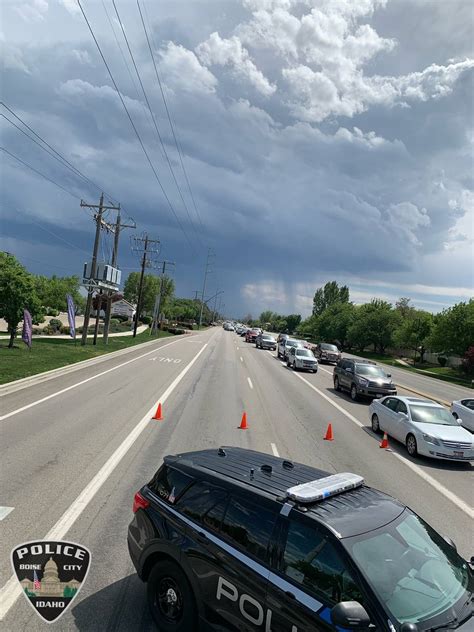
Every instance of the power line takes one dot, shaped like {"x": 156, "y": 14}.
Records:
{"x": 38, "y": 172}
{"x": 178, "y": 146}
{"x": 133, "y": 126}
{"x": 59, "y": 157}
{"x": 154, "y": 119}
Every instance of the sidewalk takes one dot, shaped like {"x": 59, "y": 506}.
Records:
{"x": 140, "y": 329}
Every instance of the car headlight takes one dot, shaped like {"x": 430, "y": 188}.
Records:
{"x": 429, "y": 439}
{"x": 363, "y": 381}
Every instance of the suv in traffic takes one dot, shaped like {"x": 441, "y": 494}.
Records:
{"x": 285, "y": 344}
{"x": 362, "y": 378}
{"x": 230, "y": 539}
{"x": 326, "y": 352}
{"x": 301, "y": 358}
{"x": 265, "y": 341}
{"x": 251, "y": 334}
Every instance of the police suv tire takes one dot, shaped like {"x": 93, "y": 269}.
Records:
{"x": 166, "y": 573}
{"x": 354, "y": 395}
{"x": 337, "y": 386}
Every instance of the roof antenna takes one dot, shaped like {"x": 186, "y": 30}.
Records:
{"x": 252, "y": 472}
{"x": 221, "y": 452}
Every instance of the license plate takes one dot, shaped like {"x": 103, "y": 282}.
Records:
{"x": 458, "y": 453}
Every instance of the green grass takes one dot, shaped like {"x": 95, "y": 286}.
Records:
{"x": 47, "y": 354}
{"x": 448, "y": 374}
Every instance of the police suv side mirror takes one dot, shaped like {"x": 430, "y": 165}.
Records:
{"x": 351, "y": 615}
{"x": 450, "y": 542}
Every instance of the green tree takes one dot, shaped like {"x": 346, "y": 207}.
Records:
{"x": 17, "y": 292}
{"x": 309, "y": 328}
{"x": 328, "y": 295}
{"x": 413, "y": 331}
{"x": 151, "y": 289}
{"x": 403, "y": 307}
{"x": 334, "y": 323}
{"x": 374, "y": 324}
{"x": 292, "y": 322}
{"x": 453, "y": 330}
{"x": 51, "y": 291}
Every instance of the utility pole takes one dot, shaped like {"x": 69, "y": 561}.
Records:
{"x": 149, "y": 249}
{"x": 108, "y": 309}
{"x": 157, "y": 310}
{"x": 206, "y": 272}
{"x": 99, "y": 224}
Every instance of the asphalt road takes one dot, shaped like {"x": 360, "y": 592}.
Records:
{"x": 77, "y": 447}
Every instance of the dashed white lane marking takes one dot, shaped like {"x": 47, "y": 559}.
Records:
{"x": 89, "y": 379}
{"x": 325, "y": 370}
{"x": 238, "y": 348}
{"x": 415, "y": 468}
{"x": 11, "y": 590}
{"x": 281, "y": 362}
{"x": 250, "y": 382}
{"x": 274, "y": 449}
{"x": 4, "y": 511}
{"x": 241, "y": 359}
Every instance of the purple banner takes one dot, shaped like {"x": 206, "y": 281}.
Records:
{"x": 71, "y": 315}
{"x": 27, "y": 328}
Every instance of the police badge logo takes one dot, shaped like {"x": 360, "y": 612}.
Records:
{"x": 50, "y": 573}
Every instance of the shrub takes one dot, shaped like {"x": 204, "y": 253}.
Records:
{"x": 121, "y": 317}
{"x": 115, "y": 321}
{"x": 65, "y": 329}
{"x": 55, "y": 323}
{"x": 468, "y": 362}
{"x": 51, "y": 312}
{"x": 36, "y": 331}
{"x": 49, "y": 331}
{"x": 146, "y": 320}
{"x": 442, "y": 360}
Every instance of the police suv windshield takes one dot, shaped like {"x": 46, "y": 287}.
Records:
{"x": 370, "y": 370}
{"x": 414, "y": 572}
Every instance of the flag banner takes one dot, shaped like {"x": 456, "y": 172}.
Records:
{"x": 71, "y": 314}
{"x": 27, "y": 328}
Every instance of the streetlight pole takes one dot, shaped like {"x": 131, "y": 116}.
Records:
{"x": 206, "y": 271}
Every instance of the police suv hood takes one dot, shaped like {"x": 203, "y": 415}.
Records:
{"x": 445, "y": 433}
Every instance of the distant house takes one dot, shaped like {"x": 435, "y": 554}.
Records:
{"x": 123, "y": 308}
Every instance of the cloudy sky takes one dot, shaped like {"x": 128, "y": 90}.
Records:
{"x": 322, "y": 139}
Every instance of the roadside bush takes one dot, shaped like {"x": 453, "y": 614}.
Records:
{"x": 467, "y": 365}
{"x": 49, "y": 331}
{"x": 55, "y": 323}
{"x": 121, "y": 317}
{"x": 51, "y": 312}
{"x": 115, "y": 321}
{"x": 442, "y": 360}
{"x": 36, "y": 331}
{"x": 146, "y": 320}
{"x": 65, "y": 329}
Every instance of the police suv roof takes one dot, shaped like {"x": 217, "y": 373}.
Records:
{"x": 346, "y": 514}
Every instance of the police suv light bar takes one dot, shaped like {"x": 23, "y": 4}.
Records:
{"x": 324, "y": 487}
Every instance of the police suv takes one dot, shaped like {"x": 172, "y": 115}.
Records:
{"x": 233, "y": 539}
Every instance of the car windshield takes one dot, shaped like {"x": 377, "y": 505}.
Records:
{"x": 432, "y": 415}
{"x": 306, "y": 353}
{"x": 370, "y": 370}
{"x": 290, "y": 343}
{"x": 267, "y": 338}
{"x": 326, "y": 347}
{"x": 412, "y": 569}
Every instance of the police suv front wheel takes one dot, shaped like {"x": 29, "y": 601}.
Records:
{"x": 171, "y": 598}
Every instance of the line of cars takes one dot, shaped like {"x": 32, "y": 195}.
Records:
{"x": 424, "y": 426}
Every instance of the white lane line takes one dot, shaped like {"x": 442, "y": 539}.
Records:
{"x": 4, "y": 511}
{"x": 325, "y": 370}
{"x": 250, "y": 382}
{"x": 241, "y": 359}
{"x": 238, "y": 348}
{"x": 89, "y": 379}
{"x": 11, "y": 590}
{"x": 415, "y": 468}
{"x": 274, "y": 449}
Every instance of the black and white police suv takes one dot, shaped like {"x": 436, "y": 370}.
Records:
{"x": 233, "y": 539}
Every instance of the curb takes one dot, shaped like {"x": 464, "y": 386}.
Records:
{"x": 421, "y": 394}
{"x": 38, "y": 378}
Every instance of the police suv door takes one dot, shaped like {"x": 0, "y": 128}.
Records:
{"x": 227, "y": 553}
{"x": 310, "y": 576}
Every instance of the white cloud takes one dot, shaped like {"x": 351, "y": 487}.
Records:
{"x": 71, "y": 6}
{"x": 32, "y": 11}
{"x": 82, "y": 56}
{"x": 12, "y": 56}
{"x": 182, "y": 70}
{"x": 229, "y": 52}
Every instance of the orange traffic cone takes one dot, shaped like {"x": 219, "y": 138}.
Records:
{"x": 157, "y": 416}
{"x": 384, "y": 442}
{"x": 329, "y": 436}
{"x": 243, "y": 423}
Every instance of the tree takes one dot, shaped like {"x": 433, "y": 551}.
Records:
{"x": 334, "y": 323}
{"x": 453, "y": 330}
{"x": 151, "y": 289}
{"x": 17, "y": 292}
{"x": 413, "y": 331}
{"x": 292, "y": 322}
{"x": 374, "y": 323}
{"x": 267, "y": 317}
{"x": 403, "y": 306}
{"x": 328, "y": 295}
{"x": 51, "y": 291}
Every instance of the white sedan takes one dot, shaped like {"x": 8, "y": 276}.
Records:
{"x": 463, "y": 410}
{"x": 424, "y": 426}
